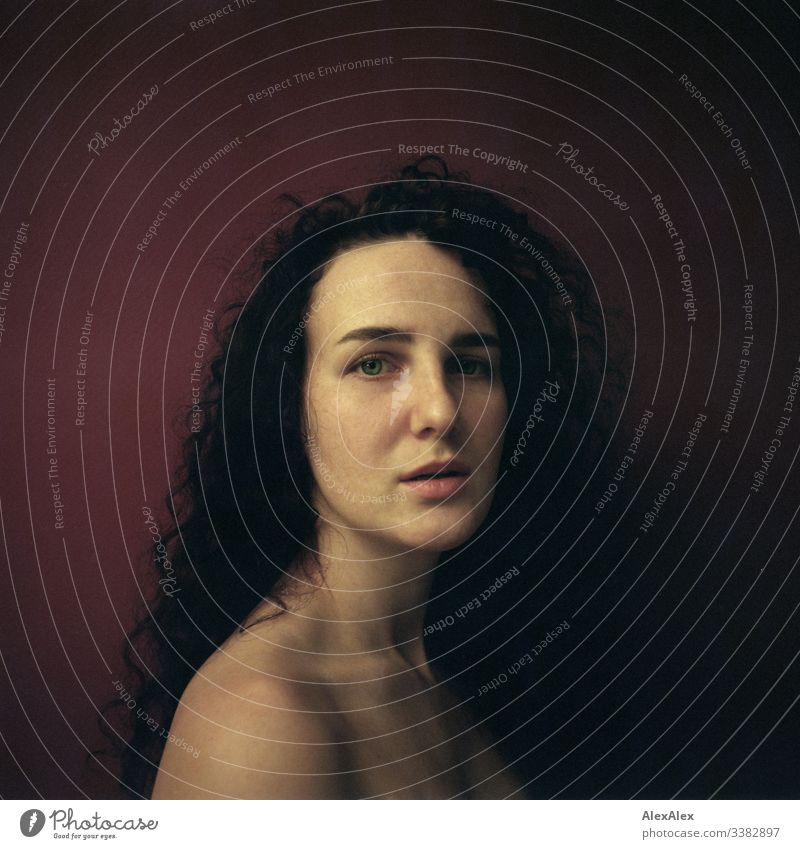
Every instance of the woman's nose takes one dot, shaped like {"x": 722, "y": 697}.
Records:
{"x": 431, "y": 397}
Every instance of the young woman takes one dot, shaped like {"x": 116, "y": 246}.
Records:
{"x": 361, "y": 434}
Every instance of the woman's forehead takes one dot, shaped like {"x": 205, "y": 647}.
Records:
{"x": 396, "y": 275}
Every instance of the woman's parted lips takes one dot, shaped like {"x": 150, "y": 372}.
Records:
{"x": 452, "y": 466}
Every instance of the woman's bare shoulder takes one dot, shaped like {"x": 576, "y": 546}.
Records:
{"x": 242, "y": 732}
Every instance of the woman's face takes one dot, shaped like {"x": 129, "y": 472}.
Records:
{"x": 398, "y": 377}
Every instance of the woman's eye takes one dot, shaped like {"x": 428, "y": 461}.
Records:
{"x": 472, "y": 368}
{"x": 371, "y": 366}
{"x": 374, "y": 366}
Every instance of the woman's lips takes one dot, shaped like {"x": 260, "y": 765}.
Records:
{"x": 436, "y": 487}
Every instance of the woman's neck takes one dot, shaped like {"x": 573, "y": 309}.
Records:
{"x": 365, "y": 608}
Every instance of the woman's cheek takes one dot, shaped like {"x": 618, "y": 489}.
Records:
{"x": 364, "y": 434}
{"x": 499, "y": 408}
{"x": 365, "y": 403}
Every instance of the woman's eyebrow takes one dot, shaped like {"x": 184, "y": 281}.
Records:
{"x": 460, "y": 340}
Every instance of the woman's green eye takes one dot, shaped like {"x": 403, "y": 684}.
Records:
{"x": 371, "y": 367}
{"x": 374, "y": 367}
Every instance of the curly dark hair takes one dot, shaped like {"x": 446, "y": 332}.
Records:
{"x": 240, "y": 509}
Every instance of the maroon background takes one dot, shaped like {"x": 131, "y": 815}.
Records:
{"x": 505, "y": 77}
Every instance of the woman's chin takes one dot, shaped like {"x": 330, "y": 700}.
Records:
{"x": 439, "y": 534}
{"x": 440, "y": 529}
